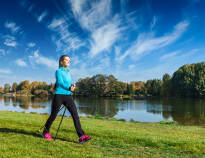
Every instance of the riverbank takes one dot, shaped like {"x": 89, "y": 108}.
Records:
{"x": 110, "y": 138}
{"x": 113, "y": 97}
{"x": 16, "y": 95}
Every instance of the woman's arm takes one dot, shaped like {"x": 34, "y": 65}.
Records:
{"x": 59, "y": 80}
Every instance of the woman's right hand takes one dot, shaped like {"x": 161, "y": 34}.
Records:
{"x": 72, "y": 88}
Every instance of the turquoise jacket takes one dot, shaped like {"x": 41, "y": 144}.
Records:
{"x": 63, "y": 81}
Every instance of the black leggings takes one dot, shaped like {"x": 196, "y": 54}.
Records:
{"x": 68, "y": 102}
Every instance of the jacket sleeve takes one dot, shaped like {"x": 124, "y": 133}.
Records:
{"x": 59, "y": 81}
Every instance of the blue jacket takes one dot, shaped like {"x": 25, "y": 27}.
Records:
{"x": 63, "y": 81}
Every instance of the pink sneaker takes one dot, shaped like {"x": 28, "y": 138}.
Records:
{"x": 84, "y": 138}
{"x": 46, "y": 136}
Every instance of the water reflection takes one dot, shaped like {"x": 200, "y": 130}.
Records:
{"x": 183, "y": 111}
{"x": 24, "y": 104}
{"x": 92, "y": 106}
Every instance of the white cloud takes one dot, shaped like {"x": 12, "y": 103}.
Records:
{"x": 147, "y": 43}
{"x": 56, "y": 23}
{"x": 95, "y": 17}
{"x": 103, "y": 38}
{"x": 10, "y": 41}
{"x": 131, "y": 66}
{"x": 117, "y": 50}
{"x": 31, "y": 44}
{"x": 130, "y": 20}
{"x": 65, "y": 40}
{"x": 77, "y": 6}
{"x": 38, "y": 59}
{"x": 75, "y": 60}
{"x": 169, "y": 55}
{"x": 91, "y": 15}
{"x": 20, "y": 62}
{"x": 79, "y": 72}
{"x": 43, "y": 15}
{"x": 103, "y": 64}
{"x": 12, "y": 26}
{"x": 83, "y": 69}
{"x": 167, "y": 65}
{"x": 5, "y": 71}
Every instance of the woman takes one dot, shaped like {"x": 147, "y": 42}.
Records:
{"x": 63, "y": 96}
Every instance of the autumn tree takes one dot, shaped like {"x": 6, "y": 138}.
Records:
{"x": 14, "y": 87}
{"x": 7, "y": 88}
{"x": 1, "y": 90}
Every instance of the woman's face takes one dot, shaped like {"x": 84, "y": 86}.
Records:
{"x": 66, "y": 62}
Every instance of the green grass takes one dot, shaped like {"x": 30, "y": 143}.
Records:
{"x": 110, "y": 138}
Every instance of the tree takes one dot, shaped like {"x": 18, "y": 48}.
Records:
{"x": 99, "y": 84}
{"x": 113, "y": 88}
{"x": 157, "y": 87}
{"x": 7, "y": 88}
{"x": 1, "y": 90}
{"x": 189, "y": 80}
{"x": 24, "y": 85}
{"x": 127, "y": 90}
{"x": 14, "y": 87}
{"x": 51, "y": 88}
{"x": 133, "y": 85}
{"x": 166, "y": 85}
{"x": 83, "y": 86}
{"x": 140, "y": 88}
{"x": 34, "y": 86}
{"x": 148, "y": 88}
{"x": 131, "y": 90}
{"x": 153, "y": 87}
{"x": 42, "y": 86}
{"x": 200, "y": 79}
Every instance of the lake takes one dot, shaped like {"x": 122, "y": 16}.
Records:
{"x": 183, "y": 111}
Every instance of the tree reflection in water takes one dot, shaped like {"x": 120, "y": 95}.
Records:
{"x": 25, "y": 102}
{"x": 184, "y": 111}
{"x": 97, "y": 106}
{"x": 23, "y": 106}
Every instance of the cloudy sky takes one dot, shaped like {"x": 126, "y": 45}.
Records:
{"x": 131, "y": 39}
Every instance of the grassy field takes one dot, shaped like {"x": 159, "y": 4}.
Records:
{"x": 110, "y": 138}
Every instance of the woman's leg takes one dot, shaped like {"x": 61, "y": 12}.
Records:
{"x": 70, "y": 105}
{"x": 56, "y": 104}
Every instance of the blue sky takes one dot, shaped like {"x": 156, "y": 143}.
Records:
{"x": 135, "y": 40}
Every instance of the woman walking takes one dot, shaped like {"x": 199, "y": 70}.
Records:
{"x": 63, "y": 96}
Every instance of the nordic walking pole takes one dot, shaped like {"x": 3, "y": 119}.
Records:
{"x": 60, "y": 123}
{"x": 44, "y": 124}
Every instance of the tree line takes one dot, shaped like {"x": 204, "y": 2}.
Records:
{"x": 187, "y": 81}
{"x": 26, "y": 88}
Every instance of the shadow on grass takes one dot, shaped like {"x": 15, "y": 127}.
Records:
{"x": 71, "y": 141}
{"x": 19, "y": 131}
{"x": 35, "y": 134}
